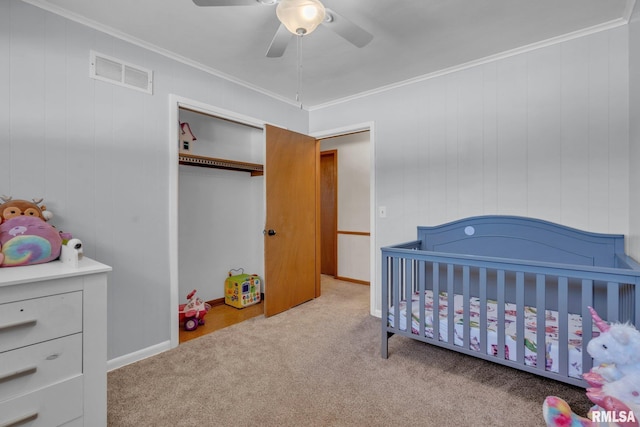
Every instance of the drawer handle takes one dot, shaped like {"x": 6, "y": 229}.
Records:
{"x": 19, "y": 373}
{"x": 17, "y": 324}
{"x": 20, "y": 420}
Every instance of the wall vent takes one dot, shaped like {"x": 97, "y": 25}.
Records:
{"x": 118, "y": 72}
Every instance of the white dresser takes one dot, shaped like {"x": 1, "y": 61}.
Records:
{"x": 53, "y": 344}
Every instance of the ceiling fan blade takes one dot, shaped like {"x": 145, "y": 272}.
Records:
{"x": 279, "y": 43}
{"x": 347, "y": 29}
{"x": 226, "y": 2}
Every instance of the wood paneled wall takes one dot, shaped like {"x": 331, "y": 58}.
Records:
{"x": 543, "y": 133}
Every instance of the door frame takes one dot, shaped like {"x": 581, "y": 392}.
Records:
{"x": 374, "y": 291}
{"x": 175, "y": 102}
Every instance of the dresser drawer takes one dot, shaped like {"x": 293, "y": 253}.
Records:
{"x": 47, "y": 407}
{"x": 35, "y": 320}
{"x": 40, "y": 365}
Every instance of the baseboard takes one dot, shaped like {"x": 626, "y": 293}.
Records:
{"x": 216, "y": 302}
{"x": 136, "y": 356}
{"x": 347, "y": 279}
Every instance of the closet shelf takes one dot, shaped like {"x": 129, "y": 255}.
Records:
{"x": 211, "y": 162}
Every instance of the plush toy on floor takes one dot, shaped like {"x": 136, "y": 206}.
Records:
{"x": 192, "y": 313}
{"x": 615, "y": 383}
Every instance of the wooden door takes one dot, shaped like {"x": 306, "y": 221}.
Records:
{"x": 291, "y": 245}
{"x": 329, "y": 212}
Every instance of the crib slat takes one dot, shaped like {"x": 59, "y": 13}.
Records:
{"x": 613, "y": 302}
{"x": 384, "y": 342}
{"x": 540, "y": 322}
{"x": 500, "y": 309}
{"x": 587, "y": 323}
{"x": 436, "y": 301}
{"x": 408, "y": 293}
{"x": 421, "y": 288}
{"x": 563, "y": 326}
{"x": 483, "y": 311}
{"x": 520, "y": 314}
{"x": 466, "y": 314}
{"x": 395, "y": 281}
{"x": 626, "y": 302}
{"x": 450, "y": 305}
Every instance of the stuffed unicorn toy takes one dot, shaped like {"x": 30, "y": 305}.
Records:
{"x": 619, "y": 344}
{"x": 615, "y": 383}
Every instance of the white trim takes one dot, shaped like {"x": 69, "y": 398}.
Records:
{"x": 631, "y": 4}
{"x": 491, "y": 58}
{"x": 120, "y": 35}
{"x": 175, "y": 102}
{"x": 136, "y": 356}
{"x": 342, "y": 130}
{"x": 373, "y": 250}
{"x": 219, "y": 112}
{"x": 172, "y": 185}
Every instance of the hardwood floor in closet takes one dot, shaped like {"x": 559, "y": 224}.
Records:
{"x": 221, "y": 316}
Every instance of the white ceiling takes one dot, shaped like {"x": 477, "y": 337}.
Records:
{"x": 412, "y": 38}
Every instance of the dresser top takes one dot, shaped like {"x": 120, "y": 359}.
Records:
{"x": 50, "y": 270}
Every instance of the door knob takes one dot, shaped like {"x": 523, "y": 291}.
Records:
{"x": 271, "y": 232}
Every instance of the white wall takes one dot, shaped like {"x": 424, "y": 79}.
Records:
{"x": 542, "y": 134}
{"x": 221, "y": 212}
{"x": 99, "y": 153}
{"x": 353, "y": 203}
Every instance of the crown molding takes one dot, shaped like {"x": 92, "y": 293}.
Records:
{"x": 624, "y": 20}
{"x": 488, "y": 59}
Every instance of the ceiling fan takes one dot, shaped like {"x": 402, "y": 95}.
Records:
{"x": 300, "y": 17}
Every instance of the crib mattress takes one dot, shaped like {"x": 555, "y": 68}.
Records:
{"x": 530, "y": 321}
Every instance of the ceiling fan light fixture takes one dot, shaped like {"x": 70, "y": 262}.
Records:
{"x": 300, "y": 16}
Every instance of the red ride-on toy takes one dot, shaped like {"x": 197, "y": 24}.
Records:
{"x": 192, "y": 313}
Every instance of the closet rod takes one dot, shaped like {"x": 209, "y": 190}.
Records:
{"x": 212, "y": 162}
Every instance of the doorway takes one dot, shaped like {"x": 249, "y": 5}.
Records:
{"x": 346, "y": 206}
{"x": 372, "y": 278}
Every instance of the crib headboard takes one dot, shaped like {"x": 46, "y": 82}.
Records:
{"x": 522, "y": 238}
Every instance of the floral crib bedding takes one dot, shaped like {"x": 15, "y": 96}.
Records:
{"x": 530, "y": 356}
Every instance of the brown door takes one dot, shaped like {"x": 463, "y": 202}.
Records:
{"x": 291, "y": 242}
{"x": 329, "y": 211}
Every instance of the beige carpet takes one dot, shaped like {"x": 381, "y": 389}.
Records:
{"x": 319, "y": 364}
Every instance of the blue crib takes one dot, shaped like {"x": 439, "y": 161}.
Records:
{"x": 511, "y": 290}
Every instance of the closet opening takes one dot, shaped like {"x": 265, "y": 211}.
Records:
{"x": 221, "y": 211}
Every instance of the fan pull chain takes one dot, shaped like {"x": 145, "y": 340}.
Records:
{"x": 299, "y": 63}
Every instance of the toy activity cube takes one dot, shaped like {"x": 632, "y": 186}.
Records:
{"x": 242, "y": 290}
